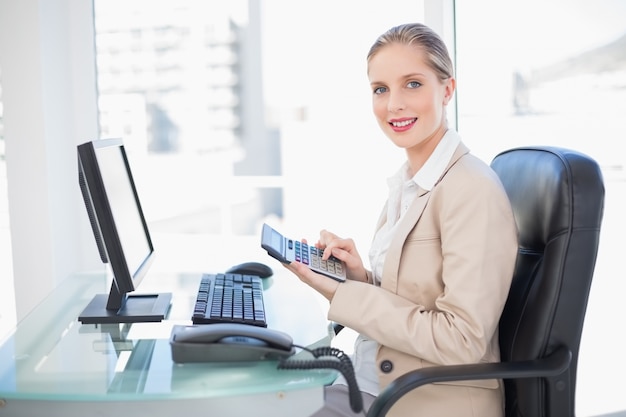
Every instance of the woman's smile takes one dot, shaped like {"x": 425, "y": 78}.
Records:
{"x": 402, "y": 125}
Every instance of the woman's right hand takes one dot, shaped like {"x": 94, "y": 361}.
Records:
{"x": 345, "y": 250}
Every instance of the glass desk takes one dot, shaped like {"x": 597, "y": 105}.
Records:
{"x": 52, "y": 365}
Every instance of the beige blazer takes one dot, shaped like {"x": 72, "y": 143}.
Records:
{"x": 445, "y": 280}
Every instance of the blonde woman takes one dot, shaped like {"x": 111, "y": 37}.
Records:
{"x": 443, "y": 251}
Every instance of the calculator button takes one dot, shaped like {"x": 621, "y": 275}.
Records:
{"x": 298, "y": 252}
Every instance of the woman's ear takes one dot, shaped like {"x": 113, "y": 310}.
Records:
{"x": 449, "y": 87}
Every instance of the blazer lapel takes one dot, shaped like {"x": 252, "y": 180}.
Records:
{"x": 406, "y": 224}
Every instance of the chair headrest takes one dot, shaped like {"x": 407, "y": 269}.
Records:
{"x": 551, "y": 190}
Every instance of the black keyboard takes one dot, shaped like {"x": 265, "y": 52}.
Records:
{"x": 230, "y": 298}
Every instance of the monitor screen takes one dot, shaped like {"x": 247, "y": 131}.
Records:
{"x": 121, "y": 234}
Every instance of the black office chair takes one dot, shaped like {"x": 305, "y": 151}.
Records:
{"x": 558, "y": 200}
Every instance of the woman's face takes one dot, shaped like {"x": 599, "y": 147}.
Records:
{"x": 408, "y": 99}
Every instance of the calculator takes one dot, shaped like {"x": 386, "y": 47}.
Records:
{"x": 289, "y": 250}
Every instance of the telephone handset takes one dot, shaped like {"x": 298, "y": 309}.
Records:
{"x": 288, "y": 250}
{"x": 226, "y": 342}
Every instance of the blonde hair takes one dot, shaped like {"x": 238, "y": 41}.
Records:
{"x": 420, "y": 36}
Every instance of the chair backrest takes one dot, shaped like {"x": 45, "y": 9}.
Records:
{"x": 558, "y": 200}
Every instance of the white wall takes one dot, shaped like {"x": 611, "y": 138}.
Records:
{"x": 49, "y": 96}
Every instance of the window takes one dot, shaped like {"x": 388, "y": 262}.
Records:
{"x": 543, "y": 72}
{"x": 233, "y": 110}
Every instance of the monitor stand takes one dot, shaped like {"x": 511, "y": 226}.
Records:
{"x": 137, "y": 308}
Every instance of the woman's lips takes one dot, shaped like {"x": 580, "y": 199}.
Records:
{"x": 402, "y": 125}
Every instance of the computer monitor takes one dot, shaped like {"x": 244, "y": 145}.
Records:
{"x": 121, "y": 234}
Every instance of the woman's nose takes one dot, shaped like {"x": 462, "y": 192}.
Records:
{"x": 395, "y": 103}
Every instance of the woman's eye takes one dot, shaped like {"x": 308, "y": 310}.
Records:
{"x": 413, "y": 84}
{"x": 380, "y": 90}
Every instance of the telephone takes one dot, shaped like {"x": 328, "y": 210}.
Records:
{"x": 229, "y": 342}
{"x": 232, "y": 342}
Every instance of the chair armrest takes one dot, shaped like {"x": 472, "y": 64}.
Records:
{"x": 337, "y": 327}
{"x": 552, "y": 365}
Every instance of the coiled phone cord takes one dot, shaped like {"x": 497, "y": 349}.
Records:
{"x": 342, "y": 363}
